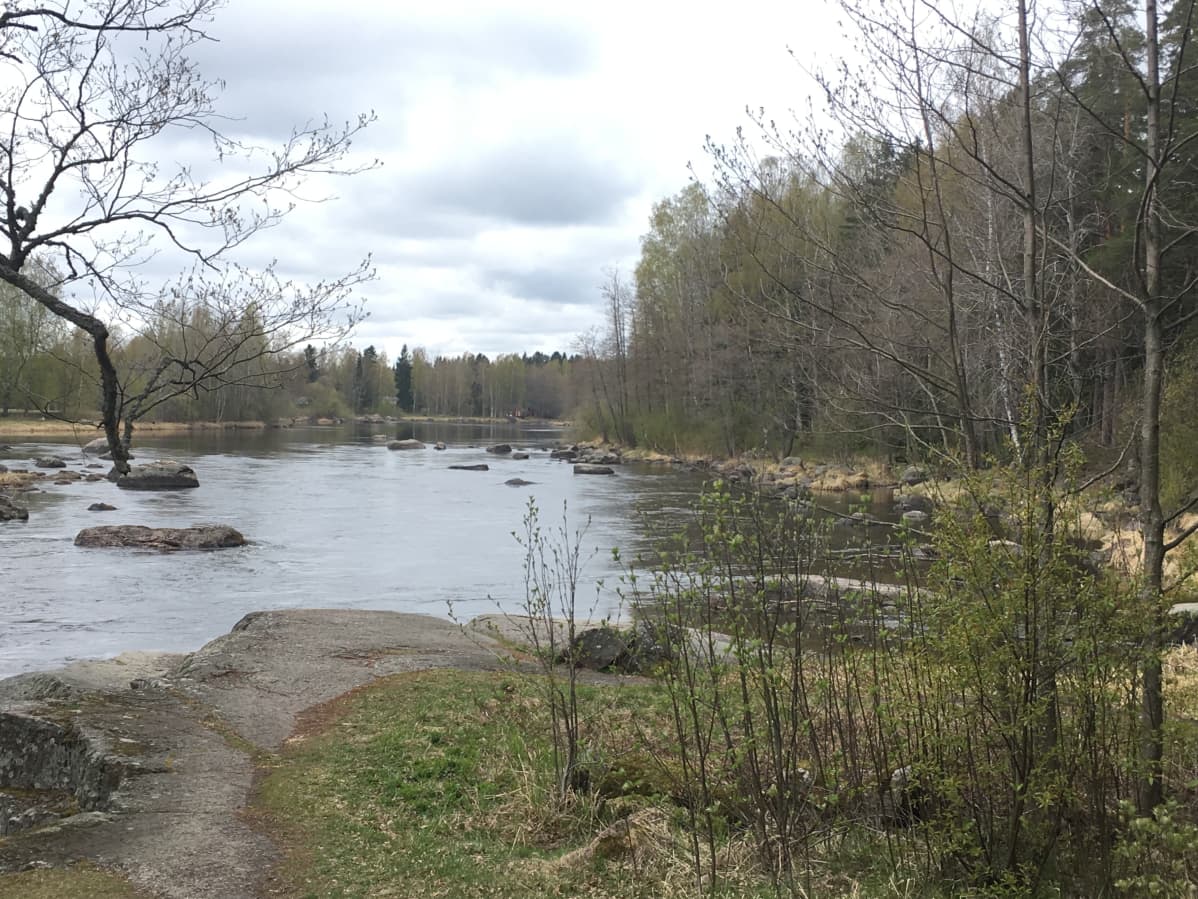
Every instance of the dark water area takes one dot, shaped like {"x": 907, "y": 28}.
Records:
{"x": 335, "y": 520}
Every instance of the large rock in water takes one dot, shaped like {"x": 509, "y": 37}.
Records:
{"x": 582, "y": 468}
{"x": 49, "y": 462}
{"x": 500, "y": 449}
{"x": 10, "y": 511}
{"x": 160, "y": 475}
{"x": 96, "y": 447}
{"x": 405, "y": 444}
{"x": 212, "y": 536}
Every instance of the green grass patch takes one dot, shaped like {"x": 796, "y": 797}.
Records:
{"x": 82, "y": 881}
{"x": 425, "y": 785}
{"x": 439, "y": 783}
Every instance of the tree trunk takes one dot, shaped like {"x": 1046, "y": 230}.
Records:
{"x": 1152, "y": 520}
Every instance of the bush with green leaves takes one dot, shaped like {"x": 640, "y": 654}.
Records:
{"x": 975, "y": 724}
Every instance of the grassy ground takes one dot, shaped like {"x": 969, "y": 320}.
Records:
{"x": 434, "y": 785}
{"x": 381, "y": 793}
{"x": 426, "y": 785}
{"x": 80, "y": 882}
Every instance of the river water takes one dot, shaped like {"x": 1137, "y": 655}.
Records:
{"x": 335, "y": 520}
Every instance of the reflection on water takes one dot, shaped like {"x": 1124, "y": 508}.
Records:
{"x": 334, "y": 519}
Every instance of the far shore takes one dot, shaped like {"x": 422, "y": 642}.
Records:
{"x": 88, "y": 430}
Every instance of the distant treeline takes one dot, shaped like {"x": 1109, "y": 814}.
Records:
{"x": 47, "y": 366}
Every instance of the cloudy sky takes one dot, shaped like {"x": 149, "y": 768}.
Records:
{"x": 522, "y": 143}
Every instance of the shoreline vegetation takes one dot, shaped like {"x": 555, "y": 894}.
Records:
{"x": 29, "y": 427}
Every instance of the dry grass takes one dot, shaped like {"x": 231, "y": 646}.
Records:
{"x": 18, "y": 479}
{"x": 1181, "y": 681}
{"x": 84, "y": 431}
{"x": 82, "y": 881}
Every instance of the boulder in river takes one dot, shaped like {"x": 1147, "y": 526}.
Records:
{"x": 101, "y": 507}
{"x": 49, "y": 462}
{"x": 567, "y": 454}
{"x": 409, "y": 444}
{"x": 913, "y": 475}
{"x": 500, "y": 449}
{"x": 915, "y": 518}
{"x": 161, "y": 475}
{"x": 211, "y": 536}
{"x": 10, "y": 511}
{"x": 518, "y": 482}
{"x": 914, "y": 502}
{"x": 582, "y": 468}
{"x": 519, "y": 456}
{"x": 96, "y": 447}
{"x": 438, "y": 445}
{"x": 480, "y": 467}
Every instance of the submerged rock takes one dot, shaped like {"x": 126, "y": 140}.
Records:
{"x": 101, "y": 507}
{"x": 409, "y": 444}
{"x": 49, "y": 462}
{"x": 212, "y": 536}
{"x": 518, "y": 482}
{"x": 479, "y": 467}
{"x": 500, "y": 449}
{"x": 161, "y": 475}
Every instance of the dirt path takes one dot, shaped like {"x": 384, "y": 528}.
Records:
{"x": 187, "y": 734}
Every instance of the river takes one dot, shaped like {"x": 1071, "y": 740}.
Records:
{"x": 334, "y": 519}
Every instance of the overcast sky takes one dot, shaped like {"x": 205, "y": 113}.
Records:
{"x": 522, "y": 143}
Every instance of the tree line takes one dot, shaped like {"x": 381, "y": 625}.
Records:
{"x": 902, "y": 270}
{"x": 241, "y": 373}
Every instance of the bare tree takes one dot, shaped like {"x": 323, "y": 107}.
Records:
{"x": 90, "y": 91}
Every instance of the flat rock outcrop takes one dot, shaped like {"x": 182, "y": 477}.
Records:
{"x": 161, "y": 475}
{"x": 482, "y": 466}
{"x": 141, "y": 537}
{"x": 185, "y": 733}
{"x": 582, "y": 468}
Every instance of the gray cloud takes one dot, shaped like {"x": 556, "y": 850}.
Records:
{"x": 549, "y": 182}
{"x": 312, "y": 63}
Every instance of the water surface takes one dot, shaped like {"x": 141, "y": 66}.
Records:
{"x": 336, "y": 521}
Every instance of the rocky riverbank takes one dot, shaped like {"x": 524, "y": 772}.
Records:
{"x": 146, "y": 763}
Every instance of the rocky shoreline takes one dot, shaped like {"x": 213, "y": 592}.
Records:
{"x": 146, "y": 763}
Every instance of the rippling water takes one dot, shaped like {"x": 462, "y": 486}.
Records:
{"x": 336, "y": 521}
